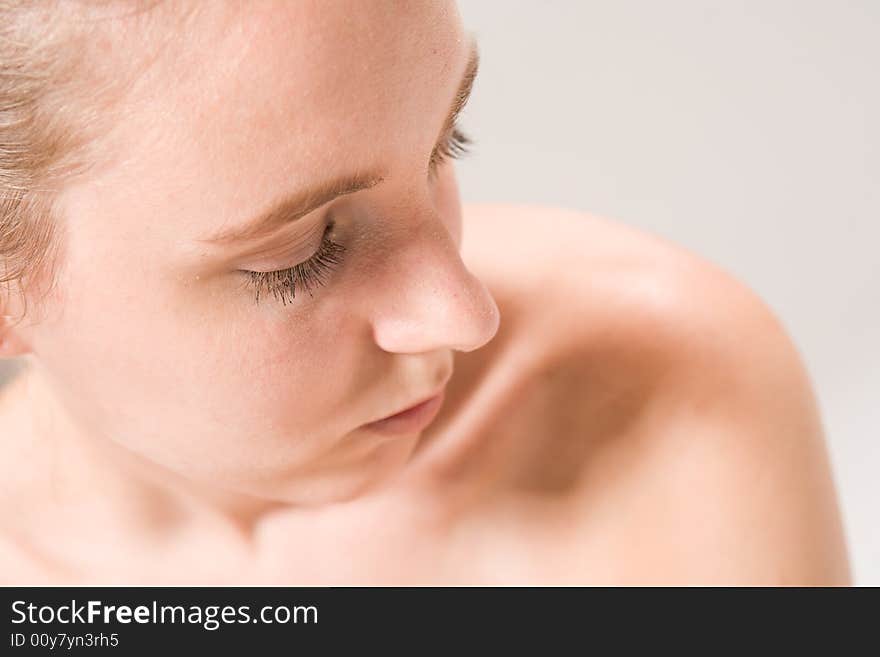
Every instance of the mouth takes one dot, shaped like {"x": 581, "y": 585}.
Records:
{"x": 411, "y": 419}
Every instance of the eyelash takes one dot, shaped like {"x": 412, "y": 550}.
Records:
{"x": 455, "y": 146}
{"x": 309, "y": 274}
{"x": 313, "y": 272}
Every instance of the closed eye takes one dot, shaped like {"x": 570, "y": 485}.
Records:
{"x": 283, "y": 284}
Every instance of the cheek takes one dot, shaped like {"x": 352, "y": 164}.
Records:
{"x": 98, "y": 324}
{"x": 274, "y": 371}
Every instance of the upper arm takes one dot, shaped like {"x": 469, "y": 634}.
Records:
{"x": 724, "y": 478}
{"x": 744, "y": 463}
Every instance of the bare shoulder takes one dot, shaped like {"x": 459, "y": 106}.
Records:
{"x": 675, "y": 396}
{"x": 608, "y": 290}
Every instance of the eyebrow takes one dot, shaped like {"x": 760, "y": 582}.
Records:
{"x": 295, "y": 206}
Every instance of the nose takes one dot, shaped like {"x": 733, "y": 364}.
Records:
{"x": 431, "y": 300}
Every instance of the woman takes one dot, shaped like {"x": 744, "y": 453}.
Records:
{"x": 236, "y": 254}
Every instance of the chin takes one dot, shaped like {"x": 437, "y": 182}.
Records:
{"x": 370, "y": 474}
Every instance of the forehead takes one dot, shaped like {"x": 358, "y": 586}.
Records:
{"x": 242, "y": 101}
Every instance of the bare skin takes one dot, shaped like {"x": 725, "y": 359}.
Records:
{"x": 618, "y": 411}
{"x": 649, "y": 423}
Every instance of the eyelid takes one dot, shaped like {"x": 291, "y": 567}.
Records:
{"x": 452, "y": 145}
{"x": 313, "y": 272}
{"x": 287, "y": 253}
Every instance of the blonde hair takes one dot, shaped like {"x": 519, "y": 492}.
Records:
{"x": 52, "y": 106}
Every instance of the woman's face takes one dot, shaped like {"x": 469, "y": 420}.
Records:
{"x": 157, "y": 340}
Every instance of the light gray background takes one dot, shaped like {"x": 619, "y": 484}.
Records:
{"x": 743, "y": 130}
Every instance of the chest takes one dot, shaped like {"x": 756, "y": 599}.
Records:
{"x": 507, "y": 541}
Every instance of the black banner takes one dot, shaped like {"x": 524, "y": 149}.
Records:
{"x": 128, "y": 620}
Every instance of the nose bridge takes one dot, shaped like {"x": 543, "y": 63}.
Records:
{"x": 433, "y": 301}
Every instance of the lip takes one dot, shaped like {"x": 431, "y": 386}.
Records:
{"x": 410, "y": 420}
